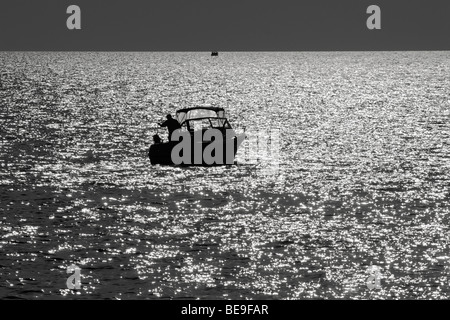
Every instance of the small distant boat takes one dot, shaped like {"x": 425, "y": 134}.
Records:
{"x": 196, "y": 121}
{"x": 214, "y": 54}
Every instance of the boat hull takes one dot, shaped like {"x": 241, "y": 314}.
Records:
{"x": 161, "y": 153}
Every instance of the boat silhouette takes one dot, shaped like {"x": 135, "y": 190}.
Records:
{"x": 195, "y": 122}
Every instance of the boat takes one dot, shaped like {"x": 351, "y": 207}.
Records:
{"x": 198, "y": 125}
{"x": 214, "y": 54}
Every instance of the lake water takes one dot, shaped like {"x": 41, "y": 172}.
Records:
{"x": 362, "y": 181}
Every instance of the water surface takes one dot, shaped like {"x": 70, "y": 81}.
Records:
{"x": 363, "y": 177}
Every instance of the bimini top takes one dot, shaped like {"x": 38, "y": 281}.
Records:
{"x": 199, "y": 112}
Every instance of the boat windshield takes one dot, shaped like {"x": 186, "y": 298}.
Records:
{"x": 206, "y": 123}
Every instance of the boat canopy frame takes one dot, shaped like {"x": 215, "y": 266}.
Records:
{"x": 198, "y": 113}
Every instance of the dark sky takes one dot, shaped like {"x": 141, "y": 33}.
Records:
{"x": 231, "y": 25}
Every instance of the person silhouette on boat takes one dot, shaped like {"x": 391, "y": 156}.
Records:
{"x": 171, "y": 125}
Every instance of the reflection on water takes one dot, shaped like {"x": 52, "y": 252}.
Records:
{"x": 363, "y": 177}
